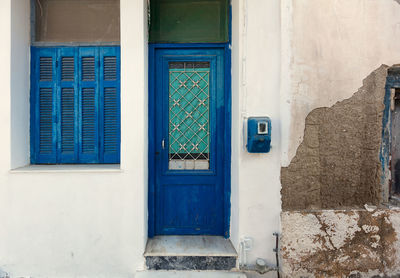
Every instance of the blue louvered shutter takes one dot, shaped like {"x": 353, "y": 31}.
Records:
{"x": 67, "y": 105}
{"x": 43, "y": 106}
{"x": 89, "y": 105}
{"x": 75, "y": 104}
{"x": 110, "y": 104}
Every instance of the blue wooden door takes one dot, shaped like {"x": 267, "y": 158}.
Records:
{"x": 189, "y": 142}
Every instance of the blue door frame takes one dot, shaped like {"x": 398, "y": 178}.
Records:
{"x": 223, "y": 148}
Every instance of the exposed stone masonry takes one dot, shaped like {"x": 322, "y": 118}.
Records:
{"x": 337, "y": 165}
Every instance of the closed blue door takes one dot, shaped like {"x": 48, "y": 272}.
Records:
{"x": 189, "y": 142}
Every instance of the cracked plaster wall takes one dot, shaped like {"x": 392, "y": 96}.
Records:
{"x": 337, "y": 164}
{"x": 352, "y": 243}
{"x": 331, "y": 47}
{"x": 331, "y": 138}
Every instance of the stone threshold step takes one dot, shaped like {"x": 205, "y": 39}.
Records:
{"x": 190, "y": 246}
{"x": 190, "y": 263}
{"x": 190, "y": 253}
{"x": 189, "y": 274}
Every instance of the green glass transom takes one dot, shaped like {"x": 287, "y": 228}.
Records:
{"x": 188, "y": 21}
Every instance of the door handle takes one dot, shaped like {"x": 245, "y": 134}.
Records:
{"x": 163, "y": 144}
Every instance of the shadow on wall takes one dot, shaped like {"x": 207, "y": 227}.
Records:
{"x": 3, "y": 274}
{"x": 338, "y": 165}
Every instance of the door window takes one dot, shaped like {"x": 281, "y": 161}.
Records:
{"x": 189, "y": 115}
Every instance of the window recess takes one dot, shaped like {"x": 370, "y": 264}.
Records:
{"x": 76, "y": 21}
{"x": 75, "y": 105}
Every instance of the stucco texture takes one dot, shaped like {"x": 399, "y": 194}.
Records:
{"x": 352, "y": 243}
{"x": 334, "y": 45}
{"x": 337, "y": 165}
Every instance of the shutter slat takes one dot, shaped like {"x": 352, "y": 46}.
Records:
{"x": 88, "y": 120}
{"x": 43, "y": 106}
{"x": 45, "y": 120}
{"x": 88, "y": 69}
{"x": 67, "y": 68}
{"x": 46, "y": 68}
{"x": 67, "y": 120}
{"x": 110, "y": 99}
{"x": 111, "y": 120}
{"x": 67, "y": 130}
{"x": 88, "y": 105}
{"x": 110, "y": 68}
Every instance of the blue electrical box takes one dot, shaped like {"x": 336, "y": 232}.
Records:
{"x": 258, "y": 134}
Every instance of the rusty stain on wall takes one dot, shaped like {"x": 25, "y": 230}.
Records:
{"x": 337, "y": 165}
{"x": 353, "y": 243}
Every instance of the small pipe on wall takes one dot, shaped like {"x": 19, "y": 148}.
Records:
{"x": 261, "y": 265}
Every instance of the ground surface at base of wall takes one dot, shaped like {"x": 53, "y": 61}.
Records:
{"x": 339, "y": 243}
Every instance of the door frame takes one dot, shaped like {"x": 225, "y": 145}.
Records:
{"x": 151, "y": 129}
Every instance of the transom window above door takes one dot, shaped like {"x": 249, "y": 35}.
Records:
{"x": 189, "y": 21}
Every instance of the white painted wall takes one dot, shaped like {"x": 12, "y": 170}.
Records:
{"x": 256, "y": 87}
{"x": 20, "y": 83}
{"x": 89, "y": 223}
{"x": 237, "y": 22}
{"x": 331, "y": 46}
{"x": 5, "y": 77}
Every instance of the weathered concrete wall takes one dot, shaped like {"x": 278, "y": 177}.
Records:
{"x": 337, "y": 164}
{"x": 353, "y": 243}
{"x": 331, "y": 46}
{"x": 331, "y": 136}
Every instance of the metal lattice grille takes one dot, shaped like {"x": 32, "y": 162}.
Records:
{"x": 189, "y": 115}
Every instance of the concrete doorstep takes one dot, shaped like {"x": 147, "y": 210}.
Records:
{"x": 184, "y": 253}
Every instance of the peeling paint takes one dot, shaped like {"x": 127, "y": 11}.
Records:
{"x": 354, "y": 243}
{"x": 338, "y": 164}
{"x": 334, "y": 44}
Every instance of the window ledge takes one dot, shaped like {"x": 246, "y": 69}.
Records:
{"x": 74, "y": 168}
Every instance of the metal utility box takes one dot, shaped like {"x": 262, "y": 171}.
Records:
{"x": 258, "y": 134}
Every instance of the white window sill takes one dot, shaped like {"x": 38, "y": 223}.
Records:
{"x": 73, "y": 168}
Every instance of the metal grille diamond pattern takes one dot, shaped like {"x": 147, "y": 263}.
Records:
{"x": 189, "y": 112}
